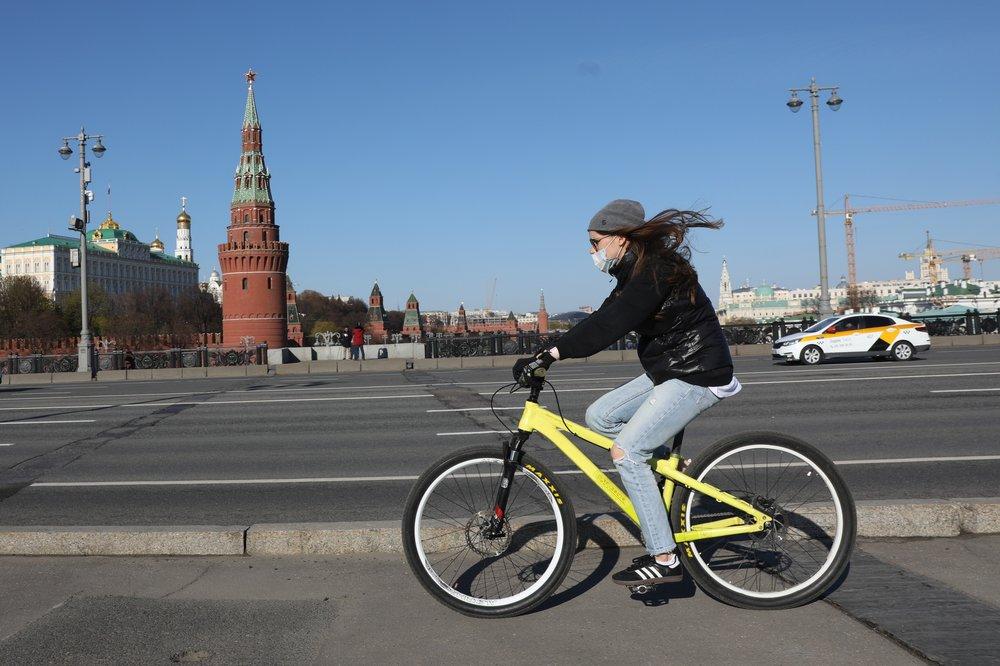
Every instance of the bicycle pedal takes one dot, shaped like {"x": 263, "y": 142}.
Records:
{"x": 640, "y": 589}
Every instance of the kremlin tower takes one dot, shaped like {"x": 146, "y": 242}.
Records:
{"x": 376, "y": 316}
{"x": 252, "y": 259}
{"x": 412, "y": 325}
{"x": 543, "y": 316}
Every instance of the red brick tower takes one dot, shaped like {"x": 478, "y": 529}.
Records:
{"x": 412, "y": 325}
{"x": 376, "y": 315}
{"x": 543, "y": 316}
{"x": 252, "y": 259}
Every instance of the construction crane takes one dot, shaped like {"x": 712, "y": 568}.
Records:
{"x": 849, "y": 213}
{"x": 490, "y": 295}
{"x": 934, "y": 259}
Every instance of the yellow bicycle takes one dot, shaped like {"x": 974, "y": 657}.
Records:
{"x": 763, "y": 520}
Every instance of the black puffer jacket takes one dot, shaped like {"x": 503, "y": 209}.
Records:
{"x": 686, "y": 342}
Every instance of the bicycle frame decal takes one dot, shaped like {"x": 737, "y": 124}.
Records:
{"x": 536, "y": 418}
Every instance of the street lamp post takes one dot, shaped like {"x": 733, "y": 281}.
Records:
{"x": 80, "y": 224}
{"x": 794, "y": 103}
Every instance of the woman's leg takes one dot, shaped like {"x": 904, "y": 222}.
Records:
{"x": 609, "y": 413}
{"x": 665, "y": 411}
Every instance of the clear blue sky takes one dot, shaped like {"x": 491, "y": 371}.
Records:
{"x": 437, "y": 145}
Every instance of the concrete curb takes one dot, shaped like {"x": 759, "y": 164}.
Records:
{"x": 876, "y": 518}
{"x": 124, "y": 540}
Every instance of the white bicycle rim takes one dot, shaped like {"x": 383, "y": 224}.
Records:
{"x": 833, "y": 550}
{"x": 489, "y": 603}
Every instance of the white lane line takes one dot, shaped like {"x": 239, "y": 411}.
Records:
{"x": 3, "y": 423}
{"x": 474, "y": 432}
{"x": 219, "y": 402}
{"x": 8, "y": 444}
{"x": 470, "y": 409}
{"x": 808, "y": 381}
{"x": 369, "y": 479}
{"x": 973, "y": 390}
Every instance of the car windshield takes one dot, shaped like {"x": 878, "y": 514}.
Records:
{"x": 819, "y": 326}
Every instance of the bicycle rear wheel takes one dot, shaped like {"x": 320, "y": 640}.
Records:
{"x": 465, "y": 567}
{"x": 805, "y": 548}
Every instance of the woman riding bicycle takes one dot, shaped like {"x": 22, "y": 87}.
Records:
{"x": 682, "y": 349}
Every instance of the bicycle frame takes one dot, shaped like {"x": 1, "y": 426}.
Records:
{"x": 536, "y": 418}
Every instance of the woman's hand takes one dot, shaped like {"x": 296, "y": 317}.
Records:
{"x": 526, "y": 368}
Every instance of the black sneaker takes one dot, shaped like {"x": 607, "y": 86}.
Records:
{"x": 646, "y": 570}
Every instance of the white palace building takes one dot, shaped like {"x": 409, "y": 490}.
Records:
{"x": 116, "y": 260}
{"x": 910, "y": 295}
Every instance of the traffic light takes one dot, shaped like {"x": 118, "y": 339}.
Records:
{"x": 76, "y": 224}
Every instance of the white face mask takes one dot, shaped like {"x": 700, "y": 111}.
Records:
{"x": 602, "y": 262}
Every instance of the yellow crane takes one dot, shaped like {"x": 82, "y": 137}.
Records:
{"x": 934, "y": 259}
{"x": 849, "y": 213}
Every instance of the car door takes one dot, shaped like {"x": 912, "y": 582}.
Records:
{"x": 842, "y": 337}
{"x": 879, "y": 333}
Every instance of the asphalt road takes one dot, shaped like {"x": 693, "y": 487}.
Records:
{"x": 348, "y": 447}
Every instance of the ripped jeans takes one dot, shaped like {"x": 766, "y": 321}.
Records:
{"x": 642, "y": 418}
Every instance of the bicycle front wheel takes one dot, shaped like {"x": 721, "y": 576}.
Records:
{"x": 466, "y": 566}
{"x": 806, "y": 546}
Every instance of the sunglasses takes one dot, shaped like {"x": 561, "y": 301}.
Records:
{"x": 596, "y": 242}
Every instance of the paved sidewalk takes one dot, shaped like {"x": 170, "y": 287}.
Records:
{"x": 370, "y": 609}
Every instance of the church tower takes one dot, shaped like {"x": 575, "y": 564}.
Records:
{"x": 543, "y": 315}
{"x": 725, "y": 288}
{"x": 182, "y": 250}
{"x": 252, "y": 259}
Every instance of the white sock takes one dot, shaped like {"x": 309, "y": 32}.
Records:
{"x": 672, "y": 562}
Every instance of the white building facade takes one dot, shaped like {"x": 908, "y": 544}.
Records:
{"x": 117, "y": 261}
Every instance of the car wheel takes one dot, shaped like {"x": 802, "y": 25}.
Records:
{"x": 902, "y": 351}
{"x": 811, "y": 355}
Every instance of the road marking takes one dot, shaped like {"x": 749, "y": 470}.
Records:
{"x": 8, "y": 444}
{"x": 469, "y": 409}
{"x": 46, "y": 422}
{"x": 413, "y": 477}
{"x": 809, "y": 381}
{"x": 964, "y": 390}
{"x": 474, "y": 432}
{"x": 220, "y": 402}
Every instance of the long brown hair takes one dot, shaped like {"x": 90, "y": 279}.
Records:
{"x": 664, "y": 237}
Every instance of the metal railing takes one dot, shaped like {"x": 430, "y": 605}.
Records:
{"x": 28, "y": 364}
{"x": 973, "y": 322}
{"x": 123, "y": 359}
{"x": 761, "y": 334}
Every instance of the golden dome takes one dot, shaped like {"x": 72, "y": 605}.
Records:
{"x": 156, "y": 245}
{"x": 109, "y": 223}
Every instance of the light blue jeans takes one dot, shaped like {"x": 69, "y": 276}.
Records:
{"x": 642, "y": 418}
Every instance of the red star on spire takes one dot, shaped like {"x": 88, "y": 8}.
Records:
{"x": 251, "y": 75}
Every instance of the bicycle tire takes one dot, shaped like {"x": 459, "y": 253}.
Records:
{"x": 544, "y": 480}
{"x": 835, "y": 564}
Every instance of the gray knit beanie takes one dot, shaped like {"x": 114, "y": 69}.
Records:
{"x": 619, "y": 215}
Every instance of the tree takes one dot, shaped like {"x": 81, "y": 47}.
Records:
{"x": 26, "y": 311}
{"x": 198, "y": 312}
{"x": 98, "y": 310}
{"x": 394, "y": 321}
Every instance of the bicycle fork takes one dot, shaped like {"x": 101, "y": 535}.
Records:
{"x": 512, "y": 454}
